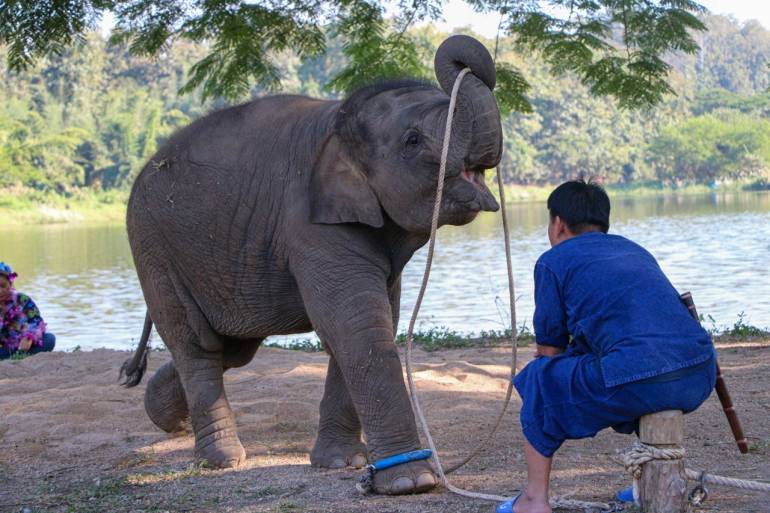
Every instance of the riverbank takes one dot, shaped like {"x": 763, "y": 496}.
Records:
{"x": 441, "y": 338}
{"x": 75, "y": 441}
{"x": 519, "y": 193}
{"x": 24, "y": 206}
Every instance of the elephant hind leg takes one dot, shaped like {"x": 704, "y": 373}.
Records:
{"x": 164, "y": 399}
{"x": 198, "y": 354}
{"x": 216, "y": 437}
{"x": 338, "y": 443}
{"x": 165, "y": 402}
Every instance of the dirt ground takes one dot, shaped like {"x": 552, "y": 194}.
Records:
{"x": 75, "y": 441}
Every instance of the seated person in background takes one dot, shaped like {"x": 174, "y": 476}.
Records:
{"x": 21, "y": 327}
{"x": 614, "y": 341}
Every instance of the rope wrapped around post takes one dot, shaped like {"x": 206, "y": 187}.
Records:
{"x": 640, "y": 453}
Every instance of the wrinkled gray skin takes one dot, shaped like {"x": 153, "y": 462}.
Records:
{"x": 290, "y": 214}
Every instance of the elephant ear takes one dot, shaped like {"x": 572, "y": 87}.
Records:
{"x": 339, "y": 189}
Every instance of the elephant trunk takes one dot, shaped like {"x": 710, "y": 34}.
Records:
{"x": 475, "y": 102}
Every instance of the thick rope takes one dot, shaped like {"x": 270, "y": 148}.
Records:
{"x": 514, "y": 336}
{"x": 556, "y": 502}
{"x": 640, "y": 453}
{"x": 743, "y": 484}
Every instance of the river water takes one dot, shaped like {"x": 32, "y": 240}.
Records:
{"x": 715, "y": 245}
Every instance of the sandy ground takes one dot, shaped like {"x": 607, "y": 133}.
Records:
{"x": 75, "y": 441}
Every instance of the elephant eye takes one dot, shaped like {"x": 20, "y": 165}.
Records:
{"x": 413, "y": 139}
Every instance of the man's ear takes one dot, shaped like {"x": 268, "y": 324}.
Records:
{"x": 339, "y": 190}
{"x": 562, "y": 229}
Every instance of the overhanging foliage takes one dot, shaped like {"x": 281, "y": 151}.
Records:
{"x": 616, "y": 47}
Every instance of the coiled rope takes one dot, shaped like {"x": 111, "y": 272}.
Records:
{"x": 556, "y": 502}
{"x": 641, "y": 453}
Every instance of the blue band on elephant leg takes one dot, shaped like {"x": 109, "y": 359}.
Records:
{"x": 367, "y": 481}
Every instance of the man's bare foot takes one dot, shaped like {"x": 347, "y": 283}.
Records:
{"x": 527, "y": 504}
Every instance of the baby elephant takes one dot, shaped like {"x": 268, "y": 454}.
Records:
{"x": 289, "y": 214}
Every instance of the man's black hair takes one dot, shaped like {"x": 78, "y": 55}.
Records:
{"x": 581, "y": 205}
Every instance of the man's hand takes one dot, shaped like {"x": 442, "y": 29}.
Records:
{"x": 25, "y": 344}
{"x": 548, "y": 350}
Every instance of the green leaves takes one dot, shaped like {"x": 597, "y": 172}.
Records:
{"x": 35, "y": 28}
{"x": 616, "y": 47}
{"x": 510, "y": 90}
{"x": 245, "y": 40}
{"x": 374, "y": 52}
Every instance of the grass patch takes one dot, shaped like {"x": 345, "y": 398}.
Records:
{"x": 98, "y": 497}
{"x": 192, "y": 470}
{"x": 262, "y": 492}
{"x": 24, "y": 206}
{"x": 18, "y": 356}
{"x": 442, "y": 337}
{"x": 304, "y": 344}
{"x": 741, "y": 330}
{"x": 760, "y": 446}
{"x": 431, "y": 339}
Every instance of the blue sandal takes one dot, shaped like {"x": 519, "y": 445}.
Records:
{"x": 626, "y": 494}
{"x": 507, "y": 506}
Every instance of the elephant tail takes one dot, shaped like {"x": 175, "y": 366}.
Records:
{"x": 135, "y": 367}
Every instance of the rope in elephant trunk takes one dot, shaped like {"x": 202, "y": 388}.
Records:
{"x": 556, "y": 502}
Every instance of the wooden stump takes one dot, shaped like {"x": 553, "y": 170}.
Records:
{"x": 663, "y": 485}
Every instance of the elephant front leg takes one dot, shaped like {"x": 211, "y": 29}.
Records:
{"x": 358, "y": 326}
{"x": 375, "y": 381}
{"x": 339, "y": 431}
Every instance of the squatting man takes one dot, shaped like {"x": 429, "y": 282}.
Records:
{"x": 614, "y": 340}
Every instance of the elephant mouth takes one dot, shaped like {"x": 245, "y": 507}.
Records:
{"x": 475, "y": 178}
{"x": 479, "y": 198}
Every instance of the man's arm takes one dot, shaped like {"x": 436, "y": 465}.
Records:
{"x": 550, "y": 320}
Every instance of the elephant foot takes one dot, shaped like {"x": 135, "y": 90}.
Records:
{"x": 338, "y": 455}
{"x": 225, "y": 453}
{"x": 413, "y": 477}
{"x": 164, "y": 400}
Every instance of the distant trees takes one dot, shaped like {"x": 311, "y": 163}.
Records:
{"x": 92, "y": 116}
{"x": 713, "y": 147}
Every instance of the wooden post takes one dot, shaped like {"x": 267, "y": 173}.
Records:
{"x": 663, "y": 485}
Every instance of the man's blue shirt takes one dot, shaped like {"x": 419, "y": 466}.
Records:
{"x": 609, "y": 294}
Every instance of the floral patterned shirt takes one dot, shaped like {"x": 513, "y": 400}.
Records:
{"x": 20, "y": 319}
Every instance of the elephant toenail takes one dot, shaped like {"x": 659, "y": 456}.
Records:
{"x": 402, "y": 485}
{"x": 358, "y": 461}
{"x": 425, "y": 481}
{"x": 338, "y": 463}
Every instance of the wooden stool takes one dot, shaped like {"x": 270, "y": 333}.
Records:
{"x": 663, "y": 485}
